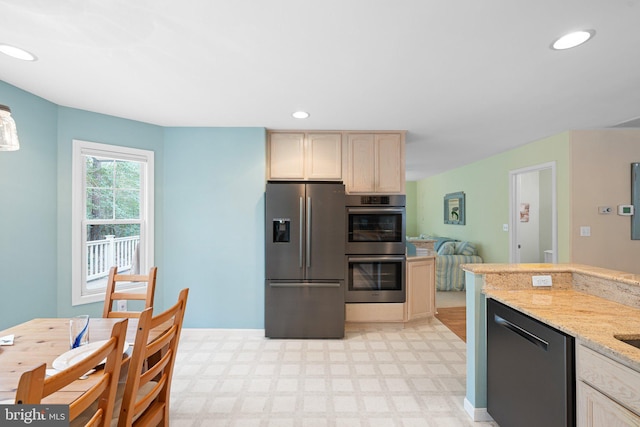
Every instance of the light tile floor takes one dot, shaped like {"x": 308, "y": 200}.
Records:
{"x": 377, "y": 376}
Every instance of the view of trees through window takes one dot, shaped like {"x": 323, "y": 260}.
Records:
{"x": 113, "y": 217}
{"x": 113, "y": 193}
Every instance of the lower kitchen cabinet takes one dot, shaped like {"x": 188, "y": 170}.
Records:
{"x": 421, "y": 288}
{"x": 597, "y": 410}
{"x": 607, "y": 392}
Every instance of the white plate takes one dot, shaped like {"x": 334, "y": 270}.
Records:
{"x": 77, "y": 354}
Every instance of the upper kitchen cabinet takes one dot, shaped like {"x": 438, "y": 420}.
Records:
{"x": 312, "y": 156}
{"x": 375, "y": 163}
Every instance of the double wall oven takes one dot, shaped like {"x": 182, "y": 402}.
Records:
{"x": 375, "y": 248}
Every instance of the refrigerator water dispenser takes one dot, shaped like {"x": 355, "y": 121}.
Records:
{"x": 281, "y": 230}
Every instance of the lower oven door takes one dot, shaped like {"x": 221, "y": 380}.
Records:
{"x": 375, "y": 278}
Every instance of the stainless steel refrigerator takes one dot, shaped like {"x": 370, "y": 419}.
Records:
{"x": 305, "y": 255}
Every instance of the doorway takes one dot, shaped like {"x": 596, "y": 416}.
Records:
{"x": 533, "y": 215}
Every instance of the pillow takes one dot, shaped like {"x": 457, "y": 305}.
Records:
{"x": 465, "y": 248}
{"x": 447, "y": 248}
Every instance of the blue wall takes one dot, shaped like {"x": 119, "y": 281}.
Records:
{"x": 214, "y": 224}
{"x": 209, "y": 210}
{"x": 28, "y": 236}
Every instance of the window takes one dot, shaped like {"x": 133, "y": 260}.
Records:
{"x": 112, "y": 216}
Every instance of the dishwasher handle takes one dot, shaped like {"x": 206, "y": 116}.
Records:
{"x": 522, "y": 332}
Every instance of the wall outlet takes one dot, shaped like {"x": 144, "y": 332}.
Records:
{"x": 541, "y": 280}
{"x": 585, "y": 231}
{"x": 505, "y": 227}
{"x": 121, "y": 305}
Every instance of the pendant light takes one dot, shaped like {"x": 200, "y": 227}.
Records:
{"x": 8, "y": 132}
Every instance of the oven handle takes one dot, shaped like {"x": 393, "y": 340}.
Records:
{"x": 354, "y": 210}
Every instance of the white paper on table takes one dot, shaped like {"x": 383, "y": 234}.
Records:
{"x": 7, "y": 340}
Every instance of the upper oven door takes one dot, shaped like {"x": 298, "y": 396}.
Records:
{"x": 375, "y": 230}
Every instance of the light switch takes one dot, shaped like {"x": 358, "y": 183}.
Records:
{"x": 585, "y": 231}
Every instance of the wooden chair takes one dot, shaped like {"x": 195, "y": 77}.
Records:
{"x": 95, "y": 406}
{"x": 112, "y": 295}
{"x": 145, "y": 400}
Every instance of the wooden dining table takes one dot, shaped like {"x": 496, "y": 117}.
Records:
{"x": 42, "y": 341}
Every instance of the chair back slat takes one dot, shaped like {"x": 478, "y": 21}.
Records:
{"x": 112, "y": 294}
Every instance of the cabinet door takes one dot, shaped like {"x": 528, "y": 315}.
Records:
{"x": 286, "y": 156}
{"x": 431, "y": 287}
{"x": 324, "y": 156}
{"x": 420, "y": 289}
{"x": 594, "y": 409}
{"x": 362, "y": 160}
{"x": 389, "y": 163}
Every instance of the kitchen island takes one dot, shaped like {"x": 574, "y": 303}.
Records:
{"x": 594, "y": 305}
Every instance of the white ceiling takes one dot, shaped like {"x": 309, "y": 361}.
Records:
{"x": 465, "y": 78}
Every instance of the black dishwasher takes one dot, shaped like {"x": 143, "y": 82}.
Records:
{"x": 530, "y": 371}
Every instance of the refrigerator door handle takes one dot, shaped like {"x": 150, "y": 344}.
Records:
{"x": 301, "y": 218}
{"x": 308, "y": 232}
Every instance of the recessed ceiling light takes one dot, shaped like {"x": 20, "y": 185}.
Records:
{"x": 16, "y": 52}
{"x": 573, "y": 39}
{"x": 300, "y": 114}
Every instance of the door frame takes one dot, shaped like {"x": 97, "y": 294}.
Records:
{"x": 514, "y": 212}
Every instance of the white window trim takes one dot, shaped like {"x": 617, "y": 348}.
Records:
{"x": 81, "y": 148}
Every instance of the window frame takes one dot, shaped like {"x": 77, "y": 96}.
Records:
{"x": 78, "y": 215}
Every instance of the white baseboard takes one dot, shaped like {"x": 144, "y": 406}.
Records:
{"x": 476, "y": 414}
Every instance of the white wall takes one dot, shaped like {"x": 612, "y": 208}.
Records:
{"x": 601, "y": 176}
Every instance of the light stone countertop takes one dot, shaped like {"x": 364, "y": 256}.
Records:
{"x": 419, "y": 257}
{"x": 589, "y": 303}
{"x": 430, "y": 254}
{"x": 603, "y": 273}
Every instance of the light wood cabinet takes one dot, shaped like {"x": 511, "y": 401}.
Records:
{"x": 313, "y": 156}
{"x": 375, "y": 163}
{"x": 597, "y": 410}
{"x": 375, "y": 312}
{"x": 421, "y": 288}
{"x": 607, "y": 392}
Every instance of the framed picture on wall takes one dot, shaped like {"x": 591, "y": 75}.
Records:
{"x": 454, "y": 208}
{"x": 524, "y": 212}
